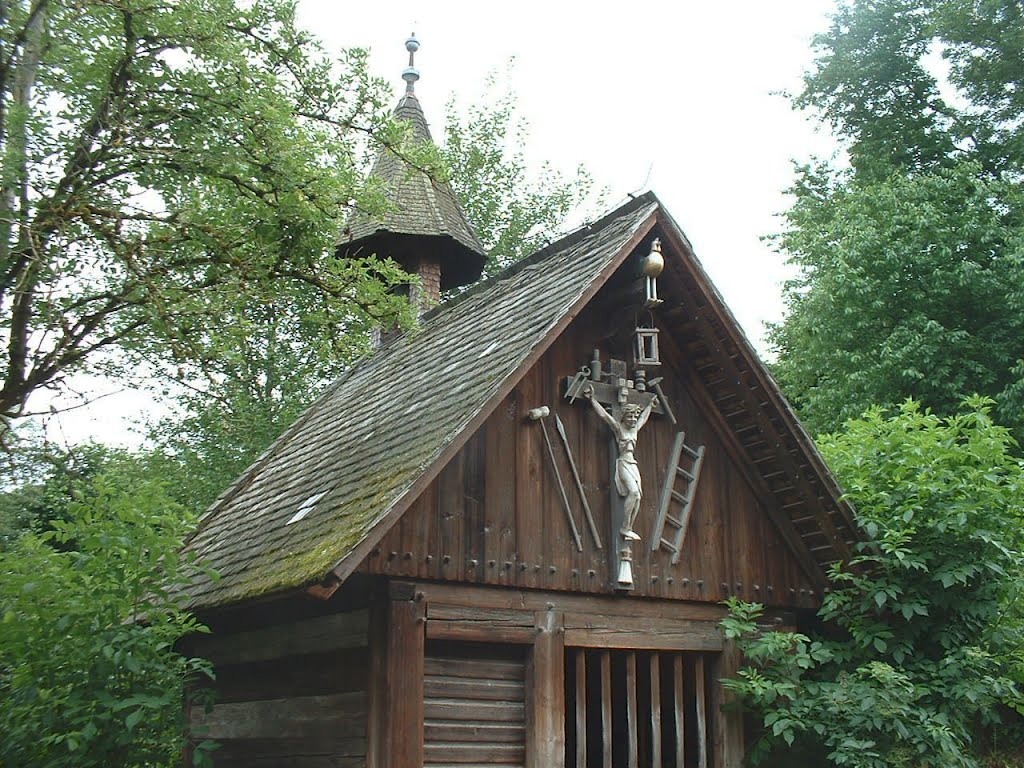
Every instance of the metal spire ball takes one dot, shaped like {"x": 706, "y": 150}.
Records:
{"x": 410, "y": 74}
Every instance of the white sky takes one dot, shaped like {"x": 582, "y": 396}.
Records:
{"x": 685, "y": 92}
{"x": 684, "y": 89}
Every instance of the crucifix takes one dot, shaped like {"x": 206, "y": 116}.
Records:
{"x": 624, "y": 405}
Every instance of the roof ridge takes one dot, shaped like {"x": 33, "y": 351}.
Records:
{"x": 555, "y": 246}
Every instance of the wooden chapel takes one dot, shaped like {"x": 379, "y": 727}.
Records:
{"x": 436, "y": 566}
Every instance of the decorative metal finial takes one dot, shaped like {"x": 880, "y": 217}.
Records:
{"x": 410, "y": 74}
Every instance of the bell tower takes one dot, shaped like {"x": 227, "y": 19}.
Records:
{"x": 425, "y": 229}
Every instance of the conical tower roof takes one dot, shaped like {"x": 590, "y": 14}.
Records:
{"x": 424, "y": 220}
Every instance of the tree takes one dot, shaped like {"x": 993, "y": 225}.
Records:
{"x": 908, "y": 286}
{"x": 931, "y": 644}
{"x": 513, "y": 211}
{"x": 911, "y": 260}
{"x": 165, "y": 164}
{"x": 274, "y": 357}
{"x": 89, "y": 618}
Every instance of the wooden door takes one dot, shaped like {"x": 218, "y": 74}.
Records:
{"x": 474, "y": 705}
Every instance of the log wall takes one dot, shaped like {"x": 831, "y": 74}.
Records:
{"x": 292, "y": 694}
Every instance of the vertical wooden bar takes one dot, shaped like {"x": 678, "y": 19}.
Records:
{"x": 376, "y": 724}
{"x": 581, "y": 708}
{"x": 606, "y": 709}
{"x": 726, "y": 723}
{"x": 529, "y": 479}
{"x": 403, "y": 704}
{"x": 679, "y": 707}
{"x": 656, "y": 709}
{"x": 546, "y": 704}
{"x": 632, "y": 726}
{"x": 702, "y": 718}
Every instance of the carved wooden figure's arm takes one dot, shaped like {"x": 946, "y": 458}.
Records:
{"x": 645, "y": 414}
{"x": 605, "y": 416}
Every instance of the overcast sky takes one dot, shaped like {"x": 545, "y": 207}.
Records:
{"x": 688, "y": 91}
{"x": 681, "y": 98}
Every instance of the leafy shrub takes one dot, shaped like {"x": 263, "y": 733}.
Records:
{"x": 928, "y": 656}
{"x": 89, "y": 618}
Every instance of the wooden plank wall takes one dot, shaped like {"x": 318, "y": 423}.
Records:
{"x": 293, "y": 694}
{"x": 495, "y": 516}
{"x": 474, "y": 705}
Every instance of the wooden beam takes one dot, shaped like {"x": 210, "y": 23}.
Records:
{"x": 324, "y": 633}
{"x": 702, "y": 712}
{"x": 727, "y": 723}
{"x": 546, "y": 702}
{"x": 655, "y": 673}
{"x": 470, "y": 596}
{"x": 632, "y": 726}
{"x": 689, "y": 636}
{"x": 581, "y": 707}
{"x": 679, "y": 707}
{"x": 467, "y": 631}
{"x": 606, "y": 710}
{"x": 403, "y": 740}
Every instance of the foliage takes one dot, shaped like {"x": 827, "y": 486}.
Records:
{"x": 909, "y": 286}
{"x": 88, "y": 621}
{"x": 166, "y": 166}
{"x": 272, "y": 359}
{"x": 911, "y": 259}
{"x": 931, "y": 650}
{"x": 513, "y": 211}
{"x": 43, "y": 483}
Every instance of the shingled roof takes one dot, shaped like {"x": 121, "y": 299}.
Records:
{"x": 329, "y": 488}
{"x": 423, "y": 213}
{"x": 364, "y": 447}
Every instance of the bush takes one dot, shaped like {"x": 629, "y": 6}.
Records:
{"x": 929, "y": 656}
{"x": 89, "y": 618}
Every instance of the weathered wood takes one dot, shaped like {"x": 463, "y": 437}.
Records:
{"x": 485, "y": 711}
{"x": 314, "y": 674}
{"x": 340, "y": 714}
{"x": 491, "y": 669}
{"x": 546, "y": 713}
{"x": 655, "y": 677}
{"x": 477, "y": 632}
{"x": 741, "y": 462}
{"x": 632, "y": 725}
{"x": 588, "y": 605}
{"x": 445, "y": 730}
{"x": 358, "y": 554}
{"x": 597, "y": 631}
{"x": 700, "y": 699}
{"x": 403, "y": 741}
{"x": 606, "y": 709}
{"x": 475, "y": 689}
{"x": 497, "y": 617}
{"x": 377, "y": 703}
{"x": 324, "y": 633}
{"x": 580, "y": 657}
{"x": 475, "y": 711}
{"x": 475, "y": 754}
{"x": 727, "y": 722}
{"x": 679, "y": 708}
{"x": 529, "y": 481}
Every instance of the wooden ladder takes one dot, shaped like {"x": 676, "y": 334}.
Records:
{"x": 679, "y": 489}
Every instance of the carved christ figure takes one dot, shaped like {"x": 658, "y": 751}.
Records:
{"x": 627, "y": 473}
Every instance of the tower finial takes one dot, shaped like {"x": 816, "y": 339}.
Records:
{"x": 410, "y": 74}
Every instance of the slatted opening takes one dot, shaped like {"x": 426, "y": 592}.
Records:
{"x": 632, "y": 709}
{"x": 474, "y": 705}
